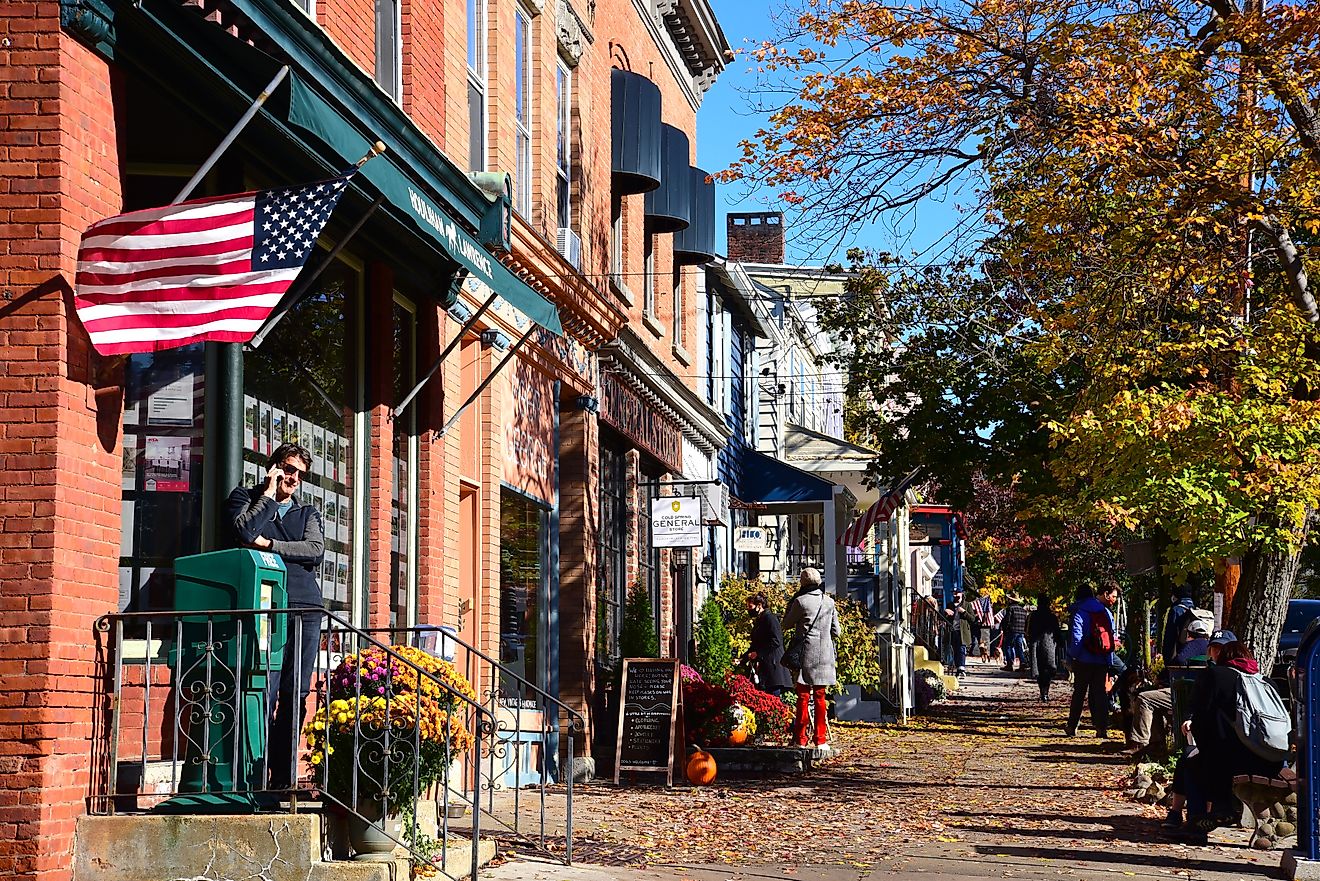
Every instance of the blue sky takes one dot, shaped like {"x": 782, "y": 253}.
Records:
{"x": 725, "y": 118}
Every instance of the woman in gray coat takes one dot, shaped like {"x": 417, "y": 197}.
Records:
{"x": 1042, "y": 639}
{"x": 811, "y": 608}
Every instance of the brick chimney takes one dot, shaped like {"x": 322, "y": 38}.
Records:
{"x": 756, "y": 237}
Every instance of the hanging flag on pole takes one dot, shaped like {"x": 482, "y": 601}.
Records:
{"x": 881, "y": 510}
{"x": 209, "y": 269}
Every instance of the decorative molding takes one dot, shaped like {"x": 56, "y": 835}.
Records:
{"x": 572, "y": 33}
{"x": 92, "y": 22}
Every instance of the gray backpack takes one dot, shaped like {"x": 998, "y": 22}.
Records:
{"x": 1261, "y": 720}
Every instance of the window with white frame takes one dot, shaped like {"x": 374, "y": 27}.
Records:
{"x": 389, "y": 48}
{"x": 616, "y": 240}
{"x": 648, "y": 277}
{"x": 678, "y": 304}
{"x": 476, "y": 87}
{"x": 564, "y": 145}
{"x": 522, "y": 105}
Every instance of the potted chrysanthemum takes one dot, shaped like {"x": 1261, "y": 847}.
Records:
{"x": 392, "y": 724}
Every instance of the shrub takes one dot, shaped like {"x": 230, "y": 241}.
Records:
{"x": 930, "y": 688}
{"x": 857, "y": 649}
{"x": 714, "y": 658}
{"x": 638, "y": 638}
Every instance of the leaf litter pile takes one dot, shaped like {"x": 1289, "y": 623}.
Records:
{"x": 977, "y": 778}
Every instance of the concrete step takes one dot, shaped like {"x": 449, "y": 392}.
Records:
{"x": 272, "y": 847}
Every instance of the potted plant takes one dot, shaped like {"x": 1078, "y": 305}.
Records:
{"x": 383, "y": 719}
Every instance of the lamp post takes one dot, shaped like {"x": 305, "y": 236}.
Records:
{"x": 706, "y": 570}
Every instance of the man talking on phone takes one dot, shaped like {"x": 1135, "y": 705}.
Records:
{"x": 269, "y": 517}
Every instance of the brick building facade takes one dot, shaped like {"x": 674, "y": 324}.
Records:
{"x": 112, "y": 466}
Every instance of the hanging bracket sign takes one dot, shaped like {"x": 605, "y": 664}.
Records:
{"x": 749, "y": 539}
{"x": 676, "y": 522}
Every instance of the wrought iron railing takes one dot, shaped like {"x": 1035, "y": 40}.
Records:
{"x": 930, "y": 627}
{"x": 526, "y": 784}
{"x": 185, "y": 723}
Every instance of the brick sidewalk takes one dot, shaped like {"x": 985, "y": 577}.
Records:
{"x": 987, "y": 787}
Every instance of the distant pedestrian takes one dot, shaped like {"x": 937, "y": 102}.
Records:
{"x": 1014, "y": 629}
{"x": 1091, "y": 645}
{"x": 767, "y": 647}
{"x": 984, "y": 610}
{"x": 960, "y": 631}
{"x": 1042, "y": 644}
{"x": 813, "y": 609}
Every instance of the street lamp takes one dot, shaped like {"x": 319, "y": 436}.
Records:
{"x": 706, "y": 572}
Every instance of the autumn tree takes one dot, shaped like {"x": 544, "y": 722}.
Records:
{"x": 1143, "y": 173}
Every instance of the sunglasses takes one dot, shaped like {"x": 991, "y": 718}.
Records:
{"x": 293, "y": 471}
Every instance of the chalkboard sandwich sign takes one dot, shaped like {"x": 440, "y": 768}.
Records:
{"x": 650, "y": 694}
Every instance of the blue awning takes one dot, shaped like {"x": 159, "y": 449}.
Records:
{"x": 768, "y": 480}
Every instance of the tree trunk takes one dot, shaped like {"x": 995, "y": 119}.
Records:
{"x": 1262, "y": 598}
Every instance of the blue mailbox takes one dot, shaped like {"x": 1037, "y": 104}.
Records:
{"x": 1306, "y": 708}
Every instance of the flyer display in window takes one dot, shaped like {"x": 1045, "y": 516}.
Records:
{"x": 167, "y": 464}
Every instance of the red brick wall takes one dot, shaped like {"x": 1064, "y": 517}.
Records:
{"x": 59, "y": 456}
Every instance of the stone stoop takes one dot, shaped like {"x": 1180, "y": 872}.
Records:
{"x": 921, "y": 660}
{"x": 272, "y": 847}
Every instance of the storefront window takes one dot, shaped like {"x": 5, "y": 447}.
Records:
{"x": 522, "y": 580}
{"x": 403, "y": 527}
{"x": 303, "y": 386}
{"x": 648, "y": 557}
{"x": 162, "y": 473}
{"x": 612, "y": 583}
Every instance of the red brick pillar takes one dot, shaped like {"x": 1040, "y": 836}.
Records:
{"x": 60, "y": 411}
{"x": 579, "y": 524}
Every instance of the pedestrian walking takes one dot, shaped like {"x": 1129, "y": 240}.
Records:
{"x": 766, "y": 649}
{"x": 271, "y": 517}
{"x": 1091, "y": 645}
{"x": 961, "y": 620}
{"x": 1014, "y": 630}
{"x": 1042, "y": 646}
{"x": 984, "y": 610}
{"x": 813, "y": 618}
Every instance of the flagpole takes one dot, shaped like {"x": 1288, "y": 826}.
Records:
{"x": 232, "y": 136}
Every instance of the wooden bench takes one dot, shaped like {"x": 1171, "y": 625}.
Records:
{"x": 1272, "y": 802}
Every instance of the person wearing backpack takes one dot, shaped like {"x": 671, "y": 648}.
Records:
{"x": 1175, "y": 623}
{"x": 1235, "y": 729}
{"x": 1091, "y": 644}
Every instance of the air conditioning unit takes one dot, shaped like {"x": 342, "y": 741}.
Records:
{"x": 570, "y": 246}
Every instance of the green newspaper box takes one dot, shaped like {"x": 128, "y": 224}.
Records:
{"x": 222, "y": 668}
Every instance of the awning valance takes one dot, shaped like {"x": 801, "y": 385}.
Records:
{"x": 309, "y": 111}
{"x": 768, "y": 481}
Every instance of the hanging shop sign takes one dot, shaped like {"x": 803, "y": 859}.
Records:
{"x": 676, "y": 522}
{"x": 622, "y": 409}
{"x": 750, "y": 539}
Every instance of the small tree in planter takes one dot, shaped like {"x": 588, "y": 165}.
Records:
{"x": 714, "y": 659}
{"x": 638, "y": 638}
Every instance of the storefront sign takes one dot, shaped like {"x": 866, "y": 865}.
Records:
{"x": 750, "y": 539}
{"x": 648, "y": 716}
{"x": 624, "y": 411}
{"x": 676, "y": 522}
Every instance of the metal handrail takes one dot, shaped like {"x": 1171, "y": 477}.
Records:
{"x": 209, "y": 694}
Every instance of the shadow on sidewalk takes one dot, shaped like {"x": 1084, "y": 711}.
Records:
{"x": 1074, "y": 856}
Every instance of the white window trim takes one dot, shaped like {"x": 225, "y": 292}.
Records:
{"x": 395, "y": 89}
{"x": 522, "y": 199}
{"x": 564, "y": 118}
{"x": 478, "y": 77}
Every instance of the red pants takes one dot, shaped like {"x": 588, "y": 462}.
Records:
{"x": 806, "y": 696}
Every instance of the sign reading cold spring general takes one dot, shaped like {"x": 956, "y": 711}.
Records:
{"x": 676, "y": 522}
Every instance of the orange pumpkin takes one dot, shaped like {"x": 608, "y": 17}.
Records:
{"x": 738, "y": 737}
{"x": 701, "y": 768}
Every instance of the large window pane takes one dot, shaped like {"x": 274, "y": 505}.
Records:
{"x": 611, "y": 585}
{"x": 162, "y": 473}
{"x": 564, "y": 145}
{"x": 522, "y": 573}
{"x": 302, "y": 386}
{"x": 403, "y": 576}
{"x": 522, "y": 74}
{"x": 388, "y": 60}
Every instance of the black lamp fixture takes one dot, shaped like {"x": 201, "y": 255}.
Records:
{"x": 706, "y": 570}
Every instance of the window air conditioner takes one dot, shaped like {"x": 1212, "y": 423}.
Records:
{"x": 570, "y": 246}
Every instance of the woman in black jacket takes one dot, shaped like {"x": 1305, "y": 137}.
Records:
{"x": 767, "y": 647}
{"x": 1042, "y": 646}
{"x": 1221, "y": 755}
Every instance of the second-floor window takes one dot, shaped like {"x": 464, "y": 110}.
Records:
{"x": 564, "y": 145}
{"x": 648, "y": 277}
{"x": 678, "y": 305}
{"x": 522, "y": 75}
{"x": 389, "y": 48}
{"x": 476, "y": 89}
{"x": 616, "y": 240}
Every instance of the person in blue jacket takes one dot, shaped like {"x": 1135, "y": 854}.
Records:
{"x": 1175, "y": 620}
{"x": 1091, "y": 645}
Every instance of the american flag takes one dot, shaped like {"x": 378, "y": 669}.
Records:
{"x": 857, "y": 533}
{"x": 209, "y": 269}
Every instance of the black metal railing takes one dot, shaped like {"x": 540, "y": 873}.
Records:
{"x": 526, "y": 783}
{"x": 185, "y": 723}
{"x": 930, "y": 627}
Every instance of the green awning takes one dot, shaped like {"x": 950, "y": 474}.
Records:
{"x": 309, "y": 111}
